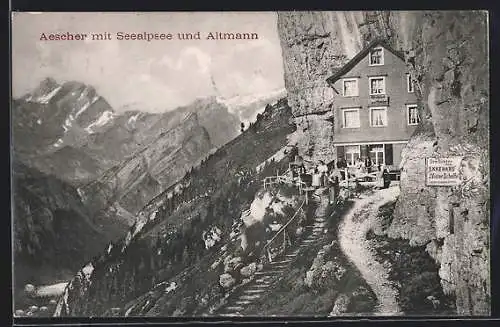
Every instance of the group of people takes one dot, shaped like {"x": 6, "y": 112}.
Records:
{"x": 320, "y": 175}
{"x": 330, "y": 175}
{"x": 365, "y": 165}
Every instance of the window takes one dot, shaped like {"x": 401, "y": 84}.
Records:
{"x": 350, "y": 87}
{"x": 378, "y": 116}
{"x": 377, "y": 85}
{"x": 409, "y": 83}
{"x": 377, "y": 154}
{"x": 350, "y": 118}
{"x": 377, "y": 56}
{"x": 413, "y": 117}
{"x": 352, "y": 153}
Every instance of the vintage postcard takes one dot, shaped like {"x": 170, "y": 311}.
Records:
{"x": 255, "y": 164}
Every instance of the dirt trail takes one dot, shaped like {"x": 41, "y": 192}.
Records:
{"x": 352, "y": 236}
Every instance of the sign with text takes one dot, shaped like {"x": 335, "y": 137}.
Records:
{"x": 380, "y": 99}
{"x": 444, "y": 171}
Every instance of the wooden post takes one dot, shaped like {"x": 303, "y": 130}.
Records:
{"x": 347, "y": 178}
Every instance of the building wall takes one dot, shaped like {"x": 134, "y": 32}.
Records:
{"x": 394, "y": 70}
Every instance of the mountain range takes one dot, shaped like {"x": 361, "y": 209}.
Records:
{"x": 76, "y": 157}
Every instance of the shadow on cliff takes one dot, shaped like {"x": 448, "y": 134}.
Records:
{"x": 414, "y": 272}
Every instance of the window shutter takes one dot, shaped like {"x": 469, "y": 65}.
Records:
{"x": 388, "y": 154}
{"x": 340, "y": 153}
{"x": 364, "y": 151}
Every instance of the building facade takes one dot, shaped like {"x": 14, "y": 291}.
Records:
{"x": 375, "y": 106}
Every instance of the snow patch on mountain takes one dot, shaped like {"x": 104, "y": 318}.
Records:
{"x": 153, "y": 215}
{"x": 132, "y": 120}
{"x": 245, "y": 100}
{"x": 247, "y": 107}
{"x": 68, "y": 123}
{"x": 86, "y": 105}
{"x": 58, "y": 143}
{"x": 44, "y": 99}
{"x": 105, "y": 118}
{"x": 211, "y": 237}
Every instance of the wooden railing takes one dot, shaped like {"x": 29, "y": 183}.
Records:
{"x": 282, "y": 230}
{"x": 283, "y": 179}
{"x": 271, "y": 180}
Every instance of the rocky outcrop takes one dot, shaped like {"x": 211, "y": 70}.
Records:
{"x": 415, "y": 218}
{"x": 447, "y": 54}
{"x": 451, "y": 64}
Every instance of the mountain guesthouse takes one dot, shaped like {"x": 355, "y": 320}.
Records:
{"x": 376, "y": 106}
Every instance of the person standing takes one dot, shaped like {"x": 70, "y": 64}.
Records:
{"x": 323, "y": 171}
{"x": 342, "y": 165}
{"x": 359, "y": 167}
{"x": 380, "y": 178}
{"x": 316, "y": 178}
{"x": 299, "y": 162}
{"x": 368, "y": 164}
{"x": 334, "y": 181}
{"x": 386, "y": 177}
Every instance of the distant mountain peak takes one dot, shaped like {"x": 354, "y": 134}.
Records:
{"x": 247, "y": 106}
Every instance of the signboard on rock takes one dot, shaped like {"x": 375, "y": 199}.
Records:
{"x": 442, "y": 171}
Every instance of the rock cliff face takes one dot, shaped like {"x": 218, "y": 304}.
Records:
{"x": 447, "y": 52}
{"x": 451, "y": 64}
{"x": 135, "y": 181}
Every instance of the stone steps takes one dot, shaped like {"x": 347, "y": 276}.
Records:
{"x": 271, "y": 272}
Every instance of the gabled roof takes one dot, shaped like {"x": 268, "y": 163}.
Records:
{"x": 357, "y": 58}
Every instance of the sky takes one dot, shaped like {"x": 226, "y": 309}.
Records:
{"x": 157, "y": 75}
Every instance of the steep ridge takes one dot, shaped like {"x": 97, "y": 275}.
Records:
{"x": 168, "y": 235}
{"x": 150, "y": 170}
{"x": 455, "y": 99}
{"x": 454, "y": 106}
{"x": 71, "y": 119}
{"x": 53, "y": 230}
{"x": 220, "y": 124}
{"x": 54, "y": 114}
